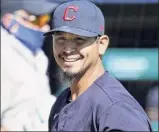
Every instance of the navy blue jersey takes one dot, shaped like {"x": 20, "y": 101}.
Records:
{"x": 105, "y": 106}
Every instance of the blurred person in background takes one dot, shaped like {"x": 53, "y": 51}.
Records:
{"x": 152, "y": 107}
{"x": 25, "y": 92}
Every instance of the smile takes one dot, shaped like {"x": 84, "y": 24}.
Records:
{"x": 70, "y": 59}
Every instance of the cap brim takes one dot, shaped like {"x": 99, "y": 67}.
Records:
{"x": 77, "y": 31}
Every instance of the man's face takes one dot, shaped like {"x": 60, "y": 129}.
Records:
{"x": 75, "y": 54}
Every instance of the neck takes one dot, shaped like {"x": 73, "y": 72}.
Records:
{"x": 80, "y": 85}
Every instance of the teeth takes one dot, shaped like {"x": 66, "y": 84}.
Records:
{"x": 69, "y": 60}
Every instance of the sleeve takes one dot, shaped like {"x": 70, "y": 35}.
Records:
{"x": 26, "y": 113}
{"x": 8, "y": 89}
{"x": 22, "y": 107}
{"x": 123, "y": 117}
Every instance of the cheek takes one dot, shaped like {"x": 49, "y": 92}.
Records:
{"x": 90, "y": 52}
{"x": 56, "y": 49}
{"x": 56, "y": 52}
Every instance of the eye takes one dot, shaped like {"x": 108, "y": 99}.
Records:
{"x": 79, "y": 41}
{"x": 60, "y": 40}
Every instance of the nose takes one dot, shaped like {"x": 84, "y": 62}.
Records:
{"x": 69, "y": 48}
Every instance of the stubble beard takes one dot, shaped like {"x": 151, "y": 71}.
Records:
{"x": 69, "y": 77}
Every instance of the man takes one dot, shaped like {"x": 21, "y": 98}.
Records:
{"x": 25, "y": 93}
{"x": 95, "y": 101}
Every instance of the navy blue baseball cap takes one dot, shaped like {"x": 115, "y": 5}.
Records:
{"x": 78, "y": 17}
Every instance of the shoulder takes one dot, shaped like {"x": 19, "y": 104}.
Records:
{"x": 7, "y": 39}
{"x": 110, "y": 92}
{"x": 123, "y": 116}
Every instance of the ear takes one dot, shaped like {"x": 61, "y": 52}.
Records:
{"x": 103, "y": 44}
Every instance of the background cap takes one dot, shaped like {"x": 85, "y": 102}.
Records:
{"x": 35, "y": 7}
{"x": 78, "y": 17}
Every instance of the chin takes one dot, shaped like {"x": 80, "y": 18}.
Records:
{"x": 69, "y": 75}
{"x": 70, "y": 72}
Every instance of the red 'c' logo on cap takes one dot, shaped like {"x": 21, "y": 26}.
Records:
{"x": 66, "y": 17}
